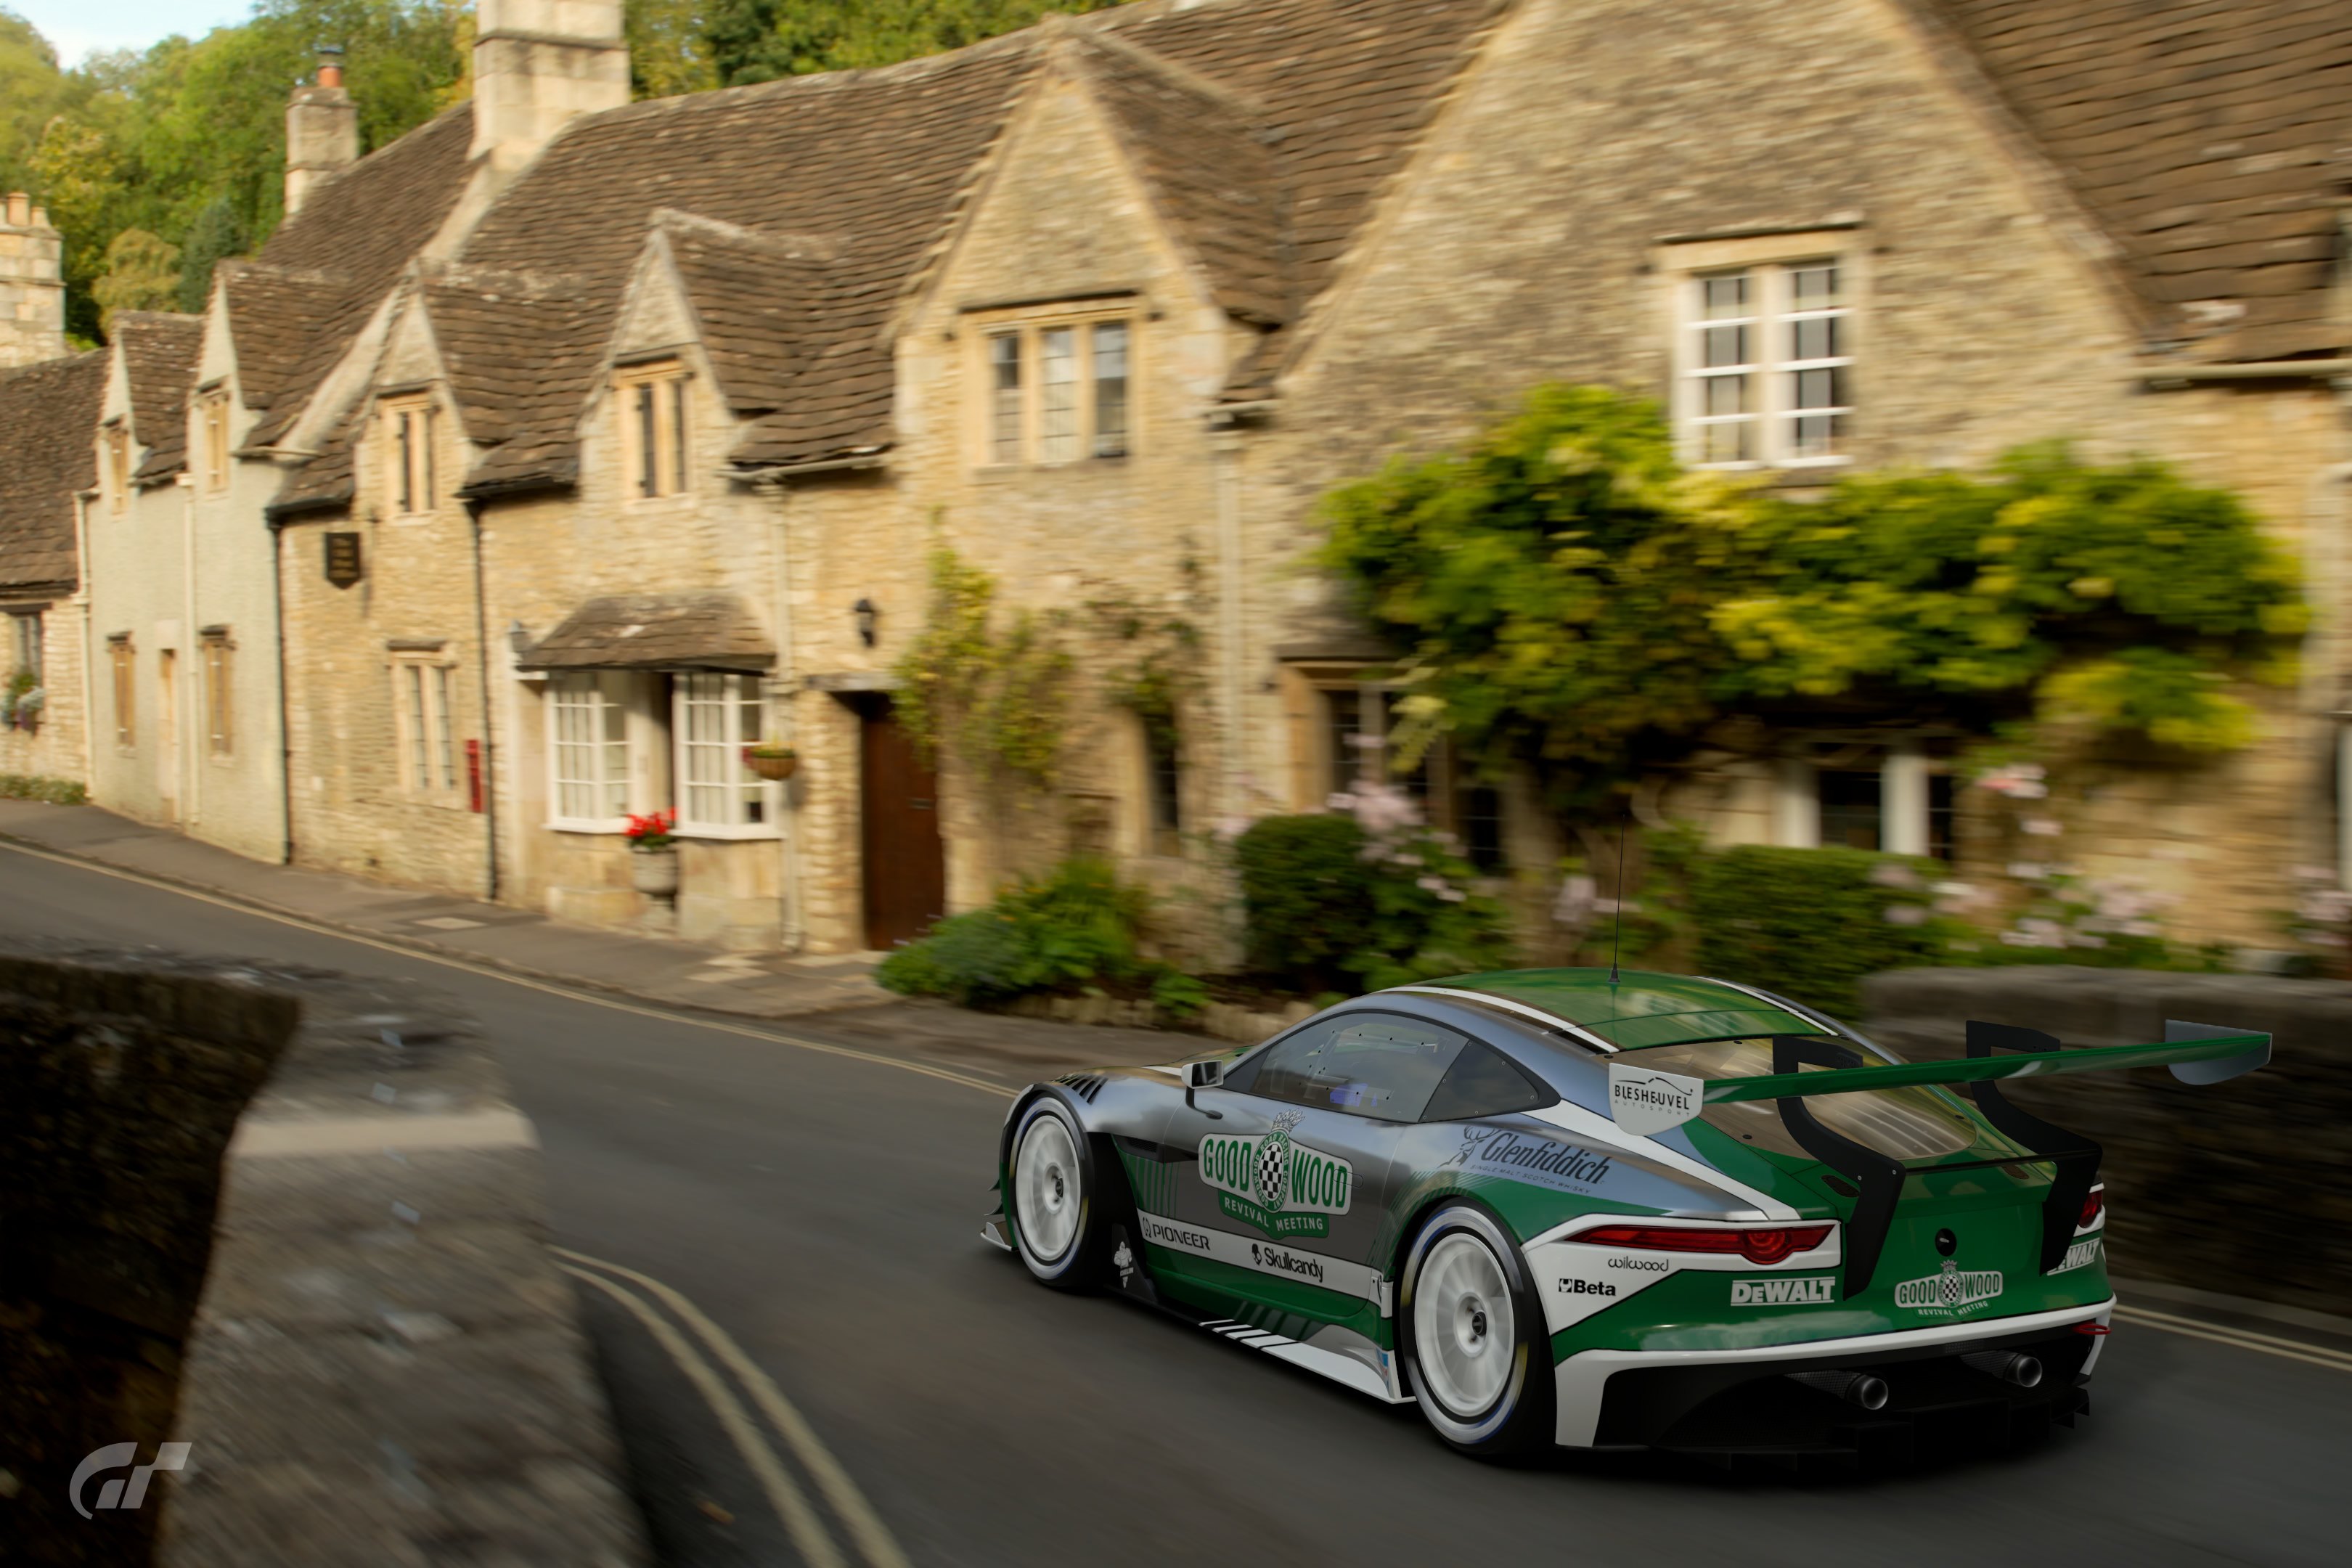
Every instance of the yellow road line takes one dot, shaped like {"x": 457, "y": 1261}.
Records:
{"x": 489, "y": 971}
{"x": 792, "y": 1505}
{"x": 2289, "y": 1349}
{"x": 864, "y": 1526}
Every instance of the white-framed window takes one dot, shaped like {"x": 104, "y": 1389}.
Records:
{"x": 713, "y": 716}
{"x": 1897, "y": 799}
{"x": 410, "y": 472}
{"x": 1057, "y": 391}
{"x": 655, "y": 452}
{"x": 212, "y": 438}
{"x": 1765, "y": 354}
{"x": 424, "y": 727}
{"x": 588, "y": 752}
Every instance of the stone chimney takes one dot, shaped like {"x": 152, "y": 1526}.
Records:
{"x": 322, "y": 131}
{"x": 32, "y": 284}
{"x": 538, "y": 64}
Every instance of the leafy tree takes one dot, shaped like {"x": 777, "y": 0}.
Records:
{"x": 142, "y": 273}
{"x": 762, "y": 40}
{"x": 668, "y": 50}
{"x": 1567, "y": 593}
{"x": 216, "y": 235}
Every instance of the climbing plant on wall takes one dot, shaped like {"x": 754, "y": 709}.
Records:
{"x": 993, "y": 688}
{"x": 1570, "y": 594}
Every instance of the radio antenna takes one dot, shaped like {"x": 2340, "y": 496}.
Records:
{"x": 1617, "y": 931}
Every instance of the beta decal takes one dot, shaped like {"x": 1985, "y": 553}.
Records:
{"x": 2080, "y": 1253}
{"x": 1950, "y": 1293}
{"x": 1524, "y": 1157}
{"x": 1281, "y": 1187}
{"x": 1586, "y": 1288}
{"x": 1783, "y": 1292}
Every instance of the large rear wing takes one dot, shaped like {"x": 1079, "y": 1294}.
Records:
{"x": 1646, "y": 1100}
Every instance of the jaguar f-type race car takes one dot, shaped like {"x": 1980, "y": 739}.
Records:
{"x": 1563, "y": 1206}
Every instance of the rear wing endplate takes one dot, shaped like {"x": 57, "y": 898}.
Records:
{"x": 1646, "y": 1100}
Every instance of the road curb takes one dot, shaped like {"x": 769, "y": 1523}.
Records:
{"x": 422, "y": 945}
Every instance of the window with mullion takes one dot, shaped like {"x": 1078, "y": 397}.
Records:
{"x": 588, "y": 754}
{"x": 716, "y": 716}
{"x": 1767, "y": 358}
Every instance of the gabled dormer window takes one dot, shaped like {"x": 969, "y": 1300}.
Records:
{"x": 1057, "y": 391}
{"x": 655, "y": 451}
{"x": 411, "y": 472}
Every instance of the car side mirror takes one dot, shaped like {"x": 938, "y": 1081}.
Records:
{"x": 1203, "y": 1075}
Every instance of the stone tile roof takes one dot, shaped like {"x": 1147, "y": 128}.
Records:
{"x": 272, "y": 313}
{"x": 759, "y": 299}
{"x": 655, "y": 631}
{"x": 1206, "y": 154}
{"x": 353, "y": 239}
{"x": 2212, "y": 140}
{"x": 49, "y": 413}
{"x": 1268, "y": 126}
{"x": 158, "y": 356}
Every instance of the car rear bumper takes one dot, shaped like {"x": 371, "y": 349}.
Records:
{"x": 1740, "y": 1400}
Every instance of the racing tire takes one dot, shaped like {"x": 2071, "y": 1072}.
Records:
{"x": 1054, "y": 1196}
{"x": 1477, "y": 1355}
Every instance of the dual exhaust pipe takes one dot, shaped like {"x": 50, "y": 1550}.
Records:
{"x": 1870, "y": 1392}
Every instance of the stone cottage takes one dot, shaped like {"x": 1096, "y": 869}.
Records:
{"x": 601, "y": 439}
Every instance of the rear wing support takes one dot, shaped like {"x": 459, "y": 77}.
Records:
{"x": 1879, "y": 1177}
{"x": 2075, "y": 1157}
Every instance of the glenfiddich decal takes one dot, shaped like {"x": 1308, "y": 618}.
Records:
{"x": 1522, "y": 1157}
{"x": 1281, "y": 1187}
{"x": 1950, "y": 1293}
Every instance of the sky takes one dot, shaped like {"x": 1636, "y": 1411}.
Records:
{"x": 77, "y": 27}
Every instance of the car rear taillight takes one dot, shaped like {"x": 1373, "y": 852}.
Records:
{"x": 2094, "y": 1207}
{"x": 1758, "y": 1245}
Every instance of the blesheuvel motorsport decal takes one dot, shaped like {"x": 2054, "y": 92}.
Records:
{"x": 1281, "y": 1187}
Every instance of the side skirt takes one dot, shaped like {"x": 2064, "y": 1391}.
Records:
{"x": 1338, "y": 1368}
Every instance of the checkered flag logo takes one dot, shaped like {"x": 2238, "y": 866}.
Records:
{"x": 1274, "y": 1164}
{"x": 1949, "y": 1286}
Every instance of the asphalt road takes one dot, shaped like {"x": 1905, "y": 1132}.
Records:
{"x": 824, "y": 1210}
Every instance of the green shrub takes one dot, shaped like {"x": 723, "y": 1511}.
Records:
{"x": 1076, "y": 925}
{"x": 1810, "y": 923}
{"x": 32, "y": 786}
{"x": 1332, "y": 902}
{"x": 1306, "y": 894}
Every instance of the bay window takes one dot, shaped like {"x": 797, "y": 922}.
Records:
{"x": 588, "y": 751}
{"x": 713, "y": 717}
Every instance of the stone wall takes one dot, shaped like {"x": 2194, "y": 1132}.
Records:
{"x": 56, "y": 747}
{"x": 384, "y": 1365}
{"x": 2243, "y": 1187}
{"x": 118, "y": 1091}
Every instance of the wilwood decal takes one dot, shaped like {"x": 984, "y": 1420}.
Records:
{"x": 1282, "y": 1187}
{"x": 1950, "y": 1293}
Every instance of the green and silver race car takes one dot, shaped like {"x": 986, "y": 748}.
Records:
{"x": 1567, "y": 1207}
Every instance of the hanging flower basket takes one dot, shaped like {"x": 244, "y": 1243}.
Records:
{"x": 771, "y": 760}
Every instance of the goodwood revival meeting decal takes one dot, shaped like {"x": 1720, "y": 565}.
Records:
{"x": 1279, "y": 1186}
{"x": 1950, "y": 1293}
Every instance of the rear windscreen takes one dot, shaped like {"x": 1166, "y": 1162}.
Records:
{"x": 1906, "y": 1123}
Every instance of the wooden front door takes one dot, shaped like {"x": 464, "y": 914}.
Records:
{"x": 906, "y": 869}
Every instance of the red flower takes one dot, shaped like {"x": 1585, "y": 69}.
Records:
{"x": 650, "y": 832}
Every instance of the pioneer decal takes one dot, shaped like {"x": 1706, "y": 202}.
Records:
{"x": 1812, "y": 1290}
{"x": 1194, "y": 1242}
{"x": 1279, "y": 1186}
{"x": 1950, "y": 1293}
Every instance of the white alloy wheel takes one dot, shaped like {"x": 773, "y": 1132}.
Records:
{"x": 1048, "y": 1190}
{"x": 1464, "y": 1329}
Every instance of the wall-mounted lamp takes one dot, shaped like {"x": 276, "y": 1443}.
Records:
{"x": 867, "y": 615}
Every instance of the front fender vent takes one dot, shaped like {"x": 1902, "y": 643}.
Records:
{"x": 1085, "y": 1085}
